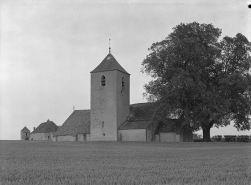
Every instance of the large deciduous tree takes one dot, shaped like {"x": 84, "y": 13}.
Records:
{"x": 203, "y": 81}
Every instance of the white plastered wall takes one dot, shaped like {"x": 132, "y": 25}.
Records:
{"x": 66, "y": 138}
{"x": 133, "y": 135}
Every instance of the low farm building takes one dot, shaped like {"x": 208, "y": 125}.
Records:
{"x": 44, "y": 131}
{"x": 75, "y": 128}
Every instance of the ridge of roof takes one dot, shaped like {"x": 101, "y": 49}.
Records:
{"x": 109, "y": 63}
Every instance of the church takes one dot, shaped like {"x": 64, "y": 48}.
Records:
{"x": 112, "y": 118}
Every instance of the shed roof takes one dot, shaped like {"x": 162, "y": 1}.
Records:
{"x": 141, "y": 115}
{"x": 137, "y": 124}
{"x": 46, "y": 127}
{"x": 25, "y": 129}
{"x": 142, "y": 111}
{"x": 77, "y": 123}
{"x": 108, "y": 64}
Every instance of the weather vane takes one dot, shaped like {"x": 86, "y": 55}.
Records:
{"x": 109, "y": 45}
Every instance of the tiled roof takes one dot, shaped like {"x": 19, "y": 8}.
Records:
{"x": 170, "y": 125}
{"x": 25, "y": 129}
{"x": 137, "y": 124}
{"x": 141, "y": 115}
{"x": 108, "y": 64}
{"x": 77, "y": 123}
{"x": 46, "y": 127}
{"x": 142, "y": 111}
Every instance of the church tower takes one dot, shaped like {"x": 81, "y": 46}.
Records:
{"x": 110, "y": 99}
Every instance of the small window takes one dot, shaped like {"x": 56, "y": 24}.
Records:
{"x": 102, "y": 80}
{"x": 123, "y": 82}
{"x": 103, "y": 124}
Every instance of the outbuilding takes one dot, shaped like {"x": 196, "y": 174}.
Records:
{"x": 75, "y": 128}
{"x": 25, "y": 133}
{"x": 172, "y": 130}
{"x": 141, "y": 123}
{"x": 44, "y": 131}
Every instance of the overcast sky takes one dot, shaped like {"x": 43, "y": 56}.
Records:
{"x": 48, "y": 48}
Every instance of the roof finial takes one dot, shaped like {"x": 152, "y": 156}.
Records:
{"x": 109, "y": 45}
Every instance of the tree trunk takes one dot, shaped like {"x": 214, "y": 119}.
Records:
{"x": 186, "y": 115}
{"x": 206, "y": 134}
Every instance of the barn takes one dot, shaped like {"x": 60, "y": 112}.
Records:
{"x": 140, "y": 124}
{"x": 75, "y": 128}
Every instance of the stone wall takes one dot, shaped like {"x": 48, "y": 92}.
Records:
{"x": 66, "y": 138}
{"x": 24, "y": 135}
{"x": 109, "y": 104}
{"x": 40, "y": 136}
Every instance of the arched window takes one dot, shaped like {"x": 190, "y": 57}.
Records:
{"x": 102, "y": 80}
{"x": 123, "y": 82}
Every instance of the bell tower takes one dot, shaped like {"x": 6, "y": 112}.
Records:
{"x": 110, "y": 99}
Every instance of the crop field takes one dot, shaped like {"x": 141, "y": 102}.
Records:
{"x": 41, "y": 162}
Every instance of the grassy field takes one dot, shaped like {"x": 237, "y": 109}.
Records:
{"x": 37, "y": 162}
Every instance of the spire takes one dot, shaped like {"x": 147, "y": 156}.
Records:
{"x": 109, "y": 46}
{"x": 108, "y": 64}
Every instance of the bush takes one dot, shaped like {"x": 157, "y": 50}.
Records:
{"x": 217, "y": 138}
{"x": 230, "y": 138}
{"x": 243, "y": 138}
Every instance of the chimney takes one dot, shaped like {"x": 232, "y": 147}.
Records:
{"x": 34, "y": 128}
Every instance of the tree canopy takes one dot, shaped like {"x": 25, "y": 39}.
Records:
{"x": 199, "y": 79}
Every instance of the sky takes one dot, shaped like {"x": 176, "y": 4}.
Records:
{"x": 49, "y": 47}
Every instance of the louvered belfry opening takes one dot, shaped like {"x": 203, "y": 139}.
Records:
{"x": 102, "y": 80}
{"x": 123, "y": 82}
